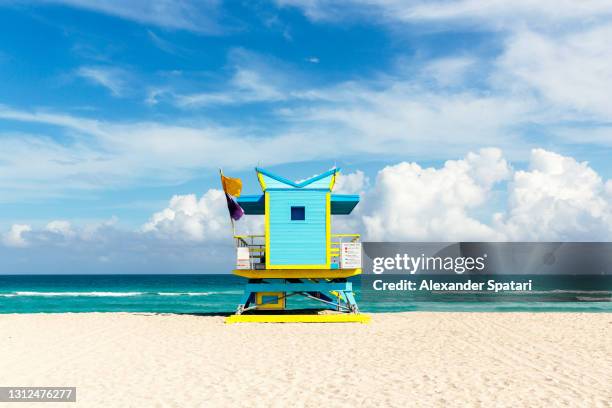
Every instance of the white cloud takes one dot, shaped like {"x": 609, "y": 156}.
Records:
{"x": 246, "y": 86}
{"x": 154, "y": 95}
{"x": 569, "y": 70}
{"x": 552, "y": 68}
{"x": 99, "y": 154}
{"x": 111, "y": 78}
{"x": 496, "y": 14}
{"x": 558, "y": 198}
{"x": 399, "y": 117}
{"x": 392, "y": 116}
{"x": 106, "y": 248}
{"x": 183, "y": 14}
{"x": 188, "y": 218}
{"x": 448, "y": 71}
{"x": 162, "y": 44}
{"x": 14, "y": 237}
{"x": 409, "y": 202}
{"x": 499, "y": 13}
{"x": 351, "y": 183}
{"x": 60, "y": 227}
{"x": 205, "y": 219}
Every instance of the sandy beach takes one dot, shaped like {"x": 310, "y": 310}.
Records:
{"x": 399, "y": 360}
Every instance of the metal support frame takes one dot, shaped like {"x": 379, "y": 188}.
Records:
{"x": 336, "y": 295}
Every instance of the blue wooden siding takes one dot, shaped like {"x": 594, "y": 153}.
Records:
{"x": 297, "y": 242}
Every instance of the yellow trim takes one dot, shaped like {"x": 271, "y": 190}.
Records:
{"x": 287, "y": 318}
{"x": 262, "y": 182}
{"x": 279, "y": 305}
{"x": 328, "y": 228}
{"x": 296, "y": 273}
{"x": 333, "y": 181}
{"x": 328, "y": 255}
{"x": 267, "y": 226}
{"x": 322, "y": 266}
{"x": 344, "y": 235}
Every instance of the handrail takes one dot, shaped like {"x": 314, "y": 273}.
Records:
{"x": 333, "y": 235}
{"x": 257, "y": 245}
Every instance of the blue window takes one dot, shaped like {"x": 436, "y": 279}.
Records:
{"x": 298, "y": 213}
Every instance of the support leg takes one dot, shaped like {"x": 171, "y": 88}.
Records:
{"x": 350, "y": 300}
{"x": 244, "y": 302}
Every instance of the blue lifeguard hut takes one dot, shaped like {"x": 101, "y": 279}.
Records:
{"x": 298, "y": 254}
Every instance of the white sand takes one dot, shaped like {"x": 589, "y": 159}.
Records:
{"x": 399, "y": 360}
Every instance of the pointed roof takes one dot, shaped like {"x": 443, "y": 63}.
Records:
{"x": 269, "y": 180}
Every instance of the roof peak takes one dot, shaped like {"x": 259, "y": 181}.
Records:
{"x": 301, "y": 184}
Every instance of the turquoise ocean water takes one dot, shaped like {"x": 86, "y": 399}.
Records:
{"x": 213, "y": 294}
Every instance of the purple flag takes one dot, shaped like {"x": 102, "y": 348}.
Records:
{"x": 235, "y": 210}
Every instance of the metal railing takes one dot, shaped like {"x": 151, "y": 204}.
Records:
{"x": 257, "y": 248}
{"x": 336, "y": 243}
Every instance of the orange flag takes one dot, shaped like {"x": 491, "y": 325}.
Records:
{"x": 232, "y": 186}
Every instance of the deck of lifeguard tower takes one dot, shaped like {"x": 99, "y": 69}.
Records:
{"x": 297, "y": 254}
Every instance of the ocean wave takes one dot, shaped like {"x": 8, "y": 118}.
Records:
{"x": 114, "y": 294}
{"x": 71, "y": 294}
{"x": 227, "y": 292}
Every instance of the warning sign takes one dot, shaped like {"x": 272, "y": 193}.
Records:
{"x": 350, "y": 255}
{"x": 243, "y": 260}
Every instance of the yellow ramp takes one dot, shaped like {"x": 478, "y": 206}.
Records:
{"x": 303, "y": 318}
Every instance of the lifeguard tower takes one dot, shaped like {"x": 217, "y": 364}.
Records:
{"x": 298, "y": 255}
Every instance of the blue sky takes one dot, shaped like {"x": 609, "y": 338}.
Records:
{"x": 109, "y": 109}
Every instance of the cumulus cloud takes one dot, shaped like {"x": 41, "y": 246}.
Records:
{"x": 555, "y": 198}
{"x": 192, "y": 219}
{"x": 351, "y": 183}
{"x": 14, "y": 237}
{"x": 105, "y": 247}
{"x": 60, "y": 227}
{"x": 558, "y": 198}
{"x": 409, "y": 202}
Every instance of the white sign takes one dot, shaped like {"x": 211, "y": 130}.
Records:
{"x": 350, "y": 255}
{"x": 243, "y": 260}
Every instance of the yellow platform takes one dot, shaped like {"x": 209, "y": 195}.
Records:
{"x": 299, "y": 318}
{"x": 296, "y": 273}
